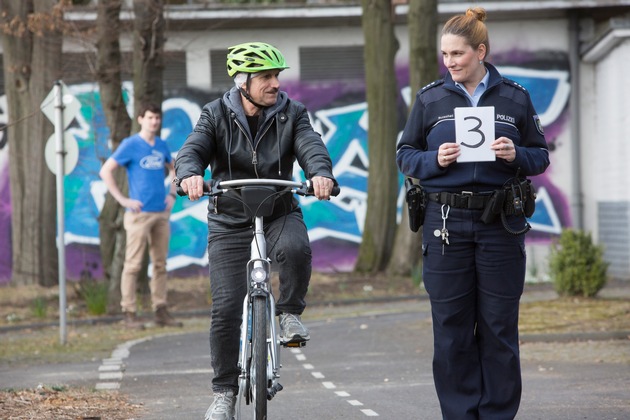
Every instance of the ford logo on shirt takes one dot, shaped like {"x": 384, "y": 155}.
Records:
{"x": 153, "y": 161}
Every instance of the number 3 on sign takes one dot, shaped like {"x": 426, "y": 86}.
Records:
{"x": 474, "y": 132}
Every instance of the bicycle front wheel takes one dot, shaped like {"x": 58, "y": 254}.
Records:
{"x": 259, "y": 357}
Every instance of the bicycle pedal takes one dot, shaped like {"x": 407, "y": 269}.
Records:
{"x": 293, "y": 344}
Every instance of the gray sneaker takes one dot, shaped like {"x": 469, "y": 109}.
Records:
{"x": 292, "y": 330}
{"x": 222, "y": 408}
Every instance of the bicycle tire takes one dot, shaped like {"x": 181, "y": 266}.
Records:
{"x": 259, "y": 357}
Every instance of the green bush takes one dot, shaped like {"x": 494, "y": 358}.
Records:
{"x": 576, "y": 265}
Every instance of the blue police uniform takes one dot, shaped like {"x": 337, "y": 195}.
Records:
{"x": 475, "y": 279}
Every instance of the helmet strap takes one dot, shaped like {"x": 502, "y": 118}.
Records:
{"x": 245, "y": 92}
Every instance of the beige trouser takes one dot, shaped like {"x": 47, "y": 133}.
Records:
{"x": 152, "y": 228}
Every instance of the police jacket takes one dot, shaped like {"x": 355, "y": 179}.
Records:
{"x": 431, "y": 123}
{"x": 222, "y": 140}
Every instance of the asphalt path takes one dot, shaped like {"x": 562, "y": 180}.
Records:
{"x": 362, "y": 362}
{"x": 373, "y": 361}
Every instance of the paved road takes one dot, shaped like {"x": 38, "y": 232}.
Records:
{"x": 372, "y": 360}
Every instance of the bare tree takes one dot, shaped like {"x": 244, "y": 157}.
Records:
{"x": 148, "y": 52}
{"x": 109, "y": 60}
{"x": 381, "y": 90}
{"x": 148, "y": 66}
{"x": 423, "y": 68}
{"x": 32, "y": 40}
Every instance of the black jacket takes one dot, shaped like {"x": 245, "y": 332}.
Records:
{"x": 222, "y": 140}
{"x": 431, "y": 123}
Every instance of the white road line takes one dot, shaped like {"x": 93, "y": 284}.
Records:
{"x": 110, "y": 367}
{"x": 111, "y": 370}
{"x": 110, "y": 376}
{"x": 102, "y": 386}
{"x": 330, "y": 385}
{"x": 370, "y": 413}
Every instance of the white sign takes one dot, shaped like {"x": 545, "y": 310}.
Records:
{"x": 474, "y": 132}
{"x": 71, "y": 156}
{"x": 71, "y": 106}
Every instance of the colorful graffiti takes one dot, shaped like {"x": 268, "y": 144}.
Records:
{"x": 335, "y": 227}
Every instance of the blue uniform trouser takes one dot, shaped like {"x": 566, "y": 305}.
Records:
{"x": 228, "y": 252}
{"x": 474, "y": 286}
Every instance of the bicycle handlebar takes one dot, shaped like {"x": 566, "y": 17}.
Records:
{"x": 213, "y": 188}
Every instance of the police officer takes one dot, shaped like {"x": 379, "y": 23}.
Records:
{"x": 473, "y": 270}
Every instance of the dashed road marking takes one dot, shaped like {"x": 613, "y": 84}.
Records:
{"x": 111, "y": 370}
{"x": 330, "y": 385}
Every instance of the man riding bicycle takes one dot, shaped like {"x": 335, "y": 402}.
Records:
{"x": 253, "y": 131}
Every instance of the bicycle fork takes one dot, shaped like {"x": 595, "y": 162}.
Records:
{"x": 259, "y": 287}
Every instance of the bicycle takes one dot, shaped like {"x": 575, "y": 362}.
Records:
{"x": 259, "y": 353}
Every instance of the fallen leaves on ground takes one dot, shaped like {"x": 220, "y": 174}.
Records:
{"x": 66, "y": 404}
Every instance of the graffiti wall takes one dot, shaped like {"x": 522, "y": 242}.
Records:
{"x": 339, "y": 113}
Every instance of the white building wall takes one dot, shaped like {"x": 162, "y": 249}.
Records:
{"x": 198, "y": 45}
{"x": 611, "y": 144}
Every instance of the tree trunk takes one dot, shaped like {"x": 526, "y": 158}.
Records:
{"x": 32, "y": 63}
{"x": 111, "y": 229}
{"x": 148, "y": 53}
{"x": 423, "y": 68}
{"x": 381, "y": 90}
{"x": 148, "y": 69}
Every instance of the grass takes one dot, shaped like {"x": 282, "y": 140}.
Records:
{"x": 83, "y": 343}
{"x": 40, "y": 307}
{"x": 94, "y": 294}
{"x": 97, "y": 340}
{"x": 571, "y": 315}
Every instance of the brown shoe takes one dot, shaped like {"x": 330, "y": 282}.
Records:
{"x": 164, "y": 319}
{"x": 132, "y": 322}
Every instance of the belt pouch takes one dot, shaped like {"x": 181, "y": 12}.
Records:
{"x": 416, "y": 204}
{"x": 530, "y": 199}
{"x": 493, "y": 207}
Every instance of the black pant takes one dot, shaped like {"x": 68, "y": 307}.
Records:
{"x": 228, "y": 252}
{"x": 474, "y": 287}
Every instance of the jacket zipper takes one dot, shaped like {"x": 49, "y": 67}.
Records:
{"x": 254, "y": 155}
{"x": 254, "y": 158}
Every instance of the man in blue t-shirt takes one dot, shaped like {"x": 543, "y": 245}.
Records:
{"x": 145, "y": 156}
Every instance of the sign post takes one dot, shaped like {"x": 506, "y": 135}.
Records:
{"x": 53, "y": 107}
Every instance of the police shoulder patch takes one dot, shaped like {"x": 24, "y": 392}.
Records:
{"x": 513, "y": 83}
{"x": 538, "y": 125}
{"x": 432, "y": 85}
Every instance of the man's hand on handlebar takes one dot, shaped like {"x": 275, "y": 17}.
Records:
{"x": 322, "y": 187}
{"x": 193, "y": 187}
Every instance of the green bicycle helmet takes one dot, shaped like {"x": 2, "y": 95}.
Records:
{"x": 252, "y": 57}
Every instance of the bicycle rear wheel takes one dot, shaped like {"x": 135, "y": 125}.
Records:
{"x": 259, "y": 380}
